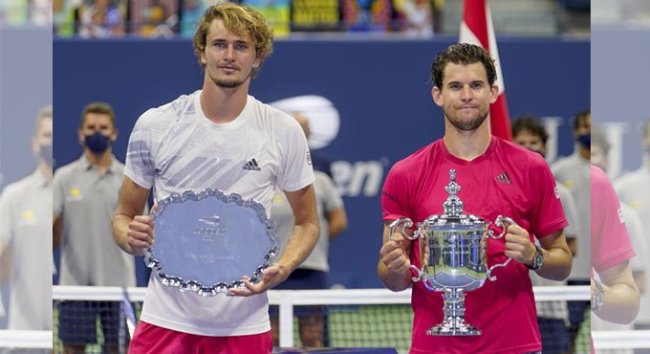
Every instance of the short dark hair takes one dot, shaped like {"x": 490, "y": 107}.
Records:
{"x": 462, "y": 53}
{"x": 530, "y": 124}
{"x": 98, "y": 108}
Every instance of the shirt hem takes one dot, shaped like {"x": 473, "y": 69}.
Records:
{"x": 202, "y": 331}
{"x": 522, "y": 349}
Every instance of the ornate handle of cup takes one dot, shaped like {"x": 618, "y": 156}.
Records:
{"x": 499, "y": 223}
{"x": 404, "y": 223}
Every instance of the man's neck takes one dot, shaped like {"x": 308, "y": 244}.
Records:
{"x": 100, "y": 161}
{"x": 223, "y": 105}
{"x": 584, "y": 152}
{"x": 467, "y": 145}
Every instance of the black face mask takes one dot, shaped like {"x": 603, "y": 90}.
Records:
{"x": 585, "y": 140}
{"x": 45, "y": 154}
{"x": 97, "y": 142}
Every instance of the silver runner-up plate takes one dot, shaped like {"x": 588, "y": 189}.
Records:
{"x": 205, "y": 242}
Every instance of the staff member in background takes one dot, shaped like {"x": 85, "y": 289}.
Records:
{"x": 312, "y": 273}
{"x": 25, "y": 221}
{"x": 85, "y": 195}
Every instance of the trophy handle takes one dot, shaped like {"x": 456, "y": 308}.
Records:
{"x": 418, "y": 275}
{"x": 499, "y": 222}
{"x": 404, "y": 223}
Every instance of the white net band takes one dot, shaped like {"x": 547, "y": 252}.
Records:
{"x": 287, "y": 300}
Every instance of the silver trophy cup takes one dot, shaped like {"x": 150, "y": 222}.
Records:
{"x": 453, "y": 259}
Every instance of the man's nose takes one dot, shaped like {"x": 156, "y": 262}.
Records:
{"x": 466, "y": 93}
{"x": 230, "y": 52}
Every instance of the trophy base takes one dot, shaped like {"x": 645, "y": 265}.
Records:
{"x": 459, "y": 328}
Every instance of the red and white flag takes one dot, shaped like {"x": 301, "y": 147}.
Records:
{"x": 476, "y": 28}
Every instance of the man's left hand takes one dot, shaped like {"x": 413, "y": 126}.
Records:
{"x": 271, "y": 277}
{"x": 519, "y": 246}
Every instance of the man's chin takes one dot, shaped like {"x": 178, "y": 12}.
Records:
{"x": 227, "y": 83}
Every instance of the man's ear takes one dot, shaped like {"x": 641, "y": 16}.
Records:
{"x": 436, "y": 94}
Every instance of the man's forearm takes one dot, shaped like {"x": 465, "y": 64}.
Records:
{"x": 621, "y": 303}
{"x": 120, "y": 226}
{"x": 300, "y": 244}
{"x": 557, "y": 264}
{"x": 393, "y": 281}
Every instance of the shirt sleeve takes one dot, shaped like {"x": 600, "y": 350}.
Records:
{"x": 610, "y": 244}
{"x": 296, "y": 171}
{"x": 58, "y": 194}
{"x": 547, "y": 216}
{"x": 6, "y": 220}
{"x": 394, "y": 195}
{"x": 139, "y": 165}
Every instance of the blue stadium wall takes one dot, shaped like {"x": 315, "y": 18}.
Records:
{"x": 381, "y": 89}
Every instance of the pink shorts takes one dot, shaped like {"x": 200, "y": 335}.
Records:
{"x": 151, "y": 339}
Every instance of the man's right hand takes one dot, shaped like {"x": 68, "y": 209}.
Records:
{"x": 140, "y": 234}
{"x": 394, "y": 256}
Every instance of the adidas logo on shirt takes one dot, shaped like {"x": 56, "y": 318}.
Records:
{"x": 252, "y": 166}
{"x": 503, "y": 178}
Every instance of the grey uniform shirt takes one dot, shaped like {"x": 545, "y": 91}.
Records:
{"x": 26, "y": 227}
{"x": 327, "y": 199}
{"x": 573, "y": 173}
{"x": 86, "y": 200}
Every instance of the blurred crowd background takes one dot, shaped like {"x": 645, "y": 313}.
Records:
{"x": 420, "y": 18}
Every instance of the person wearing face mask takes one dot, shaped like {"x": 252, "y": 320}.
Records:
{"x": 25, "y": 218}
{"x": 552, "y": 316}
{"x": 85, "y": 194}
{"x": 573, "y": 172}
{"x": 633, "y": 188}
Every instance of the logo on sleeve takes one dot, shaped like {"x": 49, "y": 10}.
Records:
{"x": 252, "y": 165}
{"x": 621, "y": 218}
{"x": 308, "y": 158}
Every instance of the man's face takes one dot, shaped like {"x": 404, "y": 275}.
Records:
{"x": 465, "y": 95}
{"x": 97, "y": 122}
{"x": 229, "y": 59}
{"x": 43, "y": 136}
{"x": 584, "y": 127}
{"x": 530, "y": 141}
